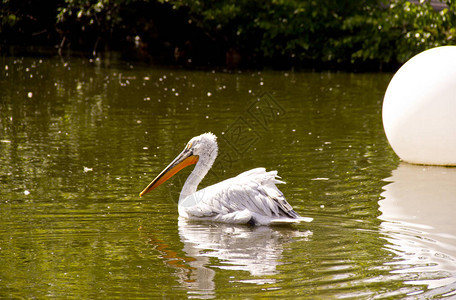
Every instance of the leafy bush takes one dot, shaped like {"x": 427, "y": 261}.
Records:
{"x": 328, "y": 31}
{"x": 396, "y": 32}
{"x": 279, "y": 33}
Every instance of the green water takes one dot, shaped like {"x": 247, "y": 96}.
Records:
{"x": 80, "y": 139}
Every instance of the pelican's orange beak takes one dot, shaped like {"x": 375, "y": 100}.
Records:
{"x": 186, "y": 158}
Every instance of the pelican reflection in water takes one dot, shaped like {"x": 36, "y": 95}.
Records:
{"x": 251, "y": 197}
{"x": 253, "y": 254}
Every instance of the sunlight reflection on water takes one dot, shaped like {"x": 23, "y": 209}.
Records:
{"x": 80, "y": 139}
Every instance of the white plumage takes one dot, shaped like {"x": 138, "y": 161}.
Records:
{"x": 251, "y": 197}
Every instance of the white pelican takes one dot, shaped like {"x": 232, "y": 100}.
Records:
{"x": 251, "y": 197}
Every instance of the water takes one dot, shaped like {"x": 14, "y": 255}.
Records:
{"x": 80, "y": 139}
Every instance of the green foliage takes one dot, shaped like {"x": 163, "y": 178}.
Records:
{"x": 399, "y": 30}
{"x": 276, "y": 29}
{"x": 103, "y": 14}
{"x": 7, "y": 17}
{"x": 89, "y": 20}
{"x": 326, "y": 30}
{"x": 272, "y": 32}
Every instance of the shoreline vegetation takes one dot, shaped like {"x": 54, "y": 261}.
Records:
{"x": 360, "y": 35}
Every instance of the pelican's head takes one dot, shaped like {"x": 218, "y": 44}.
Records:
{"x": 205, "y": 147}
{"x": 201, "y": 149}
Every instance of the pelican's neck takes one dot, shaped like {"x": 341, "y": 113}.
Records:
{"x": 191, "y": 184}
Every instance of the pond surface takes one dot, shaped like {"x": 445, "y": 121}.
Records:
{"x": 80, "y": 139}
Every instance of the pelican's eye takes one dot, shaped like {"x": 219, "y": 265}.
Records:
{"x": 189, "y": 145}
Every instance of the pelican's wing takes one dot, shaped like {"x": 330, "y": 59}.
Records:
{"x": 268, "y": 198}
{"x": 253, "y": 192}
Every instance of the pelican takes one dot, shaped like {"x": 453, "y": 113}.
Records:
{"x": 251, "y": 197}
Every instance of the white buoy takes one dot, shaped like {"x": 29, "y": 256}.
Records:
{"x": 419, "y": 108}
